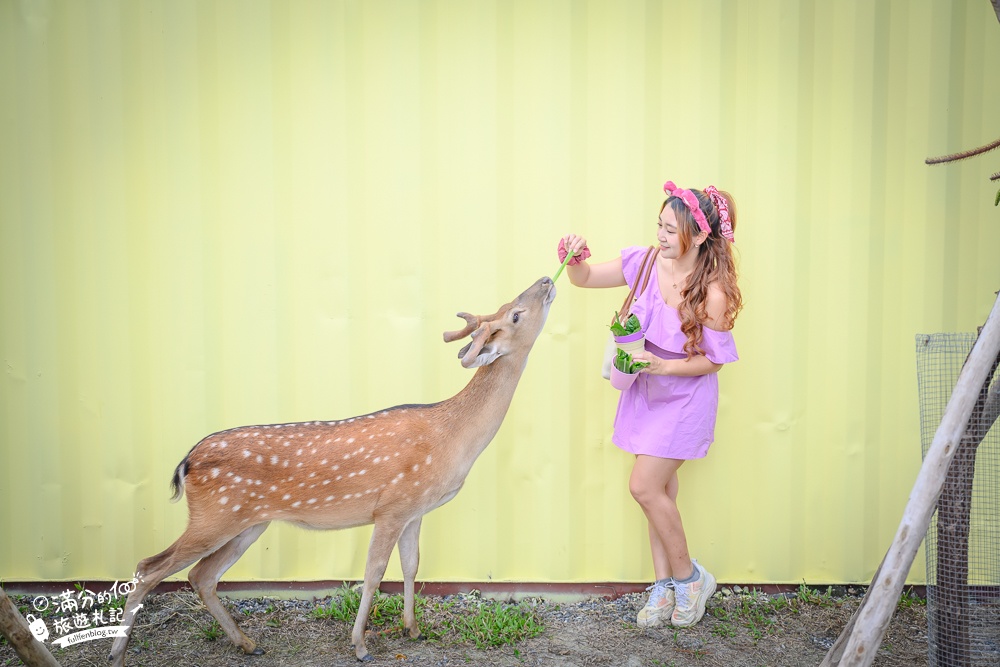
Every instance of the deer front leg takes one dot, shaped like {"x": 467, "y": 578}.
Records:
{"x": 409, "y": 559}
{"x": 384, "y": 538}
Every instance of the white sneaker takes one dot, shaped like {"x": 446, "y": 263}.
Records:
{"x": 659, "y": 607}
{"x": 692, "y": 598}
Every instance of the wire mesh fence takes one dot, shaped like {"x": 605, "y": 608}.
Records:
{"x": 963, "y": 540}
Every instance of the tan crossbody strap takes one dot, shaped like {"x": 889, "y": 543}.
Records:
{"x": 641, "y": 280}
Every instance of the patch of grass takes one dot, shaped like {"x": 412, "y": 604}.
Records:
{"x": 345, "y": 603}
{"x": 807, "y": 595}
{"x": 491, "y": 624}
{"x": 212, "y": 632}
{"x": 910, "y": 599}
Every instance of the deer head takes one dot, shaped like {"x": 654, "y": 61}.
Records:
{"x": 511, "y": 330}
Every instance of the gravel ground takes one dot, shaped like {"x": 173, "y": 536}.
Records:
{"x": 741, "y": 628}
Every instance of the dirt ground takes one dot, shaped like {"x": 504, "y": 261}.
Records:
{"x": 741, "y": 628}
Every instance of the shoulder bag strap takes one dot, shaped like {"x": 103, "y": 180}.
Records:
{"x": 641, "y": 281}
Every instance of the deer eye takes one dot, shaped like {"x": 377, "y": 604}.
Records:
{"x": 516, "y": 317}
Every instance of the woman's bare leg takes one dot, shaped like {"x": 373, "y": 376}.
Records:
{"x": 654, "y": 486}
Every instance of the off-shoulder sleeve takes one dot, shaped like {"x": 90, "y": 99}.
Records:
{"x": 631, "y": 262}
{"x": 719, "y": 346}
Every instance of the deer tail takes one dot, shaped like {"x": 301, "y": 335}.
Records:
{"x": 177, "y": 483}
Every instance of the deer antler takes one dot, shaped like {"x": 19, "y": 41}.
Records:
{"x": 474, "y": 322}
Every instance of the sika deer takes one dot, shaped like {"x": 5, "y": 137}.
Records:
{"x": 387, "y": 468}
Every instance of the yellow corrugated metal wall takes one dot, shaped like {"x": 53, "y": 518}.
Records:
{"x": 221, "y": 213}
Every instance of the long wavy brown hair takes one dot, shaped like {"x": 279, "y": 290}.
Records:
{"x": 715, "y": 265}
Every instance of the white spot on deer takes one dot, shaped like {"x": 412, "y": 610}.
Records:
{"x": 229, "y": 474}
{"x": 350, "y": 440}
{"x": 362, "y": 472}
{"x": 222, "y": 488}
{"x": 225, "y": 444}
{"x": 223, "y": 500}
{"x": 274, "y": 459}
{"x": 299, "y": 464}
{"x": 428, "y": 459}
{"x": 325, "y": 482}
{"x": 257, "y": 508}
{"x": 236, "y": 507}
{"x": 416, "y": 483}
{"x": 297, "y": 503}
{"x": 298, "y": 453}
{"x": 274, "y": 488}
{"x": 334, "y": 468}
{"x": 237, "y": 479}
{"x": 215, "y": 473}
{"x": 329, "y": 498}
{"x": 286, "y": 496}
{"x": 285, "y": 465}
{"x": 357, "y": 495}
{"x": 312, "y": 474}
{"x": 352, "y": 474}
{"x": 347, "y": 497}
{"x": 301, "y": 484}
{"x": 253, "y": 495}
{"x": 260, "y": 459}
{"x": 311, "y": 501}
{"x": 416, "y": 467}
{"x": 323, "y": 462}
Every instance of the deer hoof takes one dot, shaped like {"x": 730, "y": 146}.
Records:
{"x": 257, "y": 651}
{"x": 367, "y": 658}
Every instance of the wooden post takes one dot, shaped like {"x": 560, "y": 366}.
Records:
{"x": 857, "y": 645}
{"x": 13, "y": 626}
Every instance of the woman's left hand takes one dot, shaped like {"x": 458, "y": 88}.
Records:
{"x": 655, "y": 363}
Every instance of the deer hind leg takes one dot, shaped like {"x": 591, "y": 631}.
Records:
{"x": 188, "y": 548}
{"x": 204, "y": 578}
{"x": 384, "y": 538}
{"x": 409, "y": 559}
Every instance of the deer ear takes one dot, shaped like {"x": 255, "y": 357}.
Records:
{"x": 481, "y": 350}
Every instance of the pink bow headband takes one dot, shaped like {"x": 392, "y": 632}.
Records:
{"x": 689, "y": 199}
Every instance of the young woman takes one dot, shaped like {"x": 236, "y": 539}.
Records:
{"x": 668, "y": 415}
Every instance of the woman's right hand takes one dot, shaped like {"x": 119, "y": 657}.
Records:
{"x": 577, "y": 245}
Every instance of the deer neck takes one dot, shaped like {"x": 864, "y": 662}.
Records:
{"x": 483, "y": 403}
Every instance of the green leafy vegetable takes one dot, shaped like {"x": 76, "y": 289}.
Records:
{"x": 630, "y": 327}
{"x": 623, "y": 362}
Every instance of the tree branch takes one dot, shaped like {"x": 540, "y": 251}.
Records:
{"x": 954, "y": 157}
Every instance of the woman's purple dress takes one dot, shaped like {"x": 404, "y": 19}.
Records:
{"x": 667, "y": 416}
